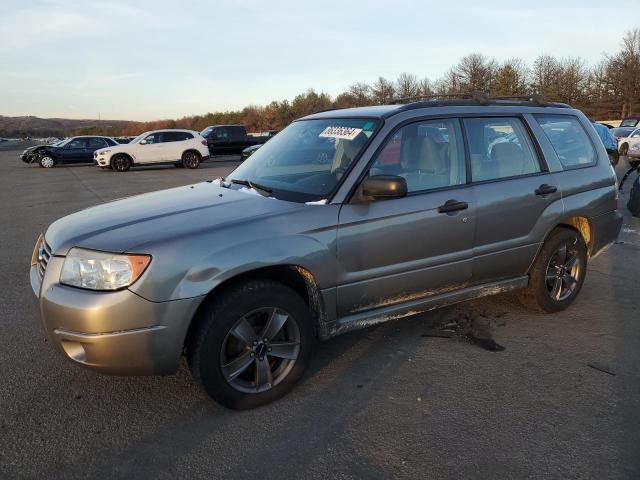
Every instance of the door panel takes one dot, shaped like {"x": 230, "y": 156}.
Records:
{"x": 512, "y": 222}
{"x": 152, "y": 151}
{"x": 74, "y": 152}
{"x": 396, "y": 250}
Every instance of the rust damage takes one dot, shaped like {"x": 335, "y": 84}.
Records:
{"x": 315, "y": 301}
{"x": 429, "y": 304}
{"x": 405, "y": 297}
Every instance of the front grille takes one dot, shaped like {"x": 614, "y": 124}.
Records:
{"x": 44, "y": 254}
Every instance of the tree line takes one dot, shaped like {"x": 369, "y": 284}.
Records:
{"x": 609, "y": 89}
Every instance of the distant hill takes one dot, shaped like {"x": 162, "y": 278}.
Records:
{"x": 56, "y": 127}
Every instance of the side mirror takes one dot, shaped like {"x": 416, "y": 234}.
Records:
{"x": 142, "y": 142}
{"x": 381, "y": 187}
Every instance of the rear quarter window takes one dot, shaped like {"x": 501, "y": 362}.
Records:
{"x": 569, "y": 140}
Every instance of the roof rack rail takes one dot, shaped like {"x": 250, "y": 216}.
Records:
{"x": 536, "y": 98}
{"x": 480, "y": 97}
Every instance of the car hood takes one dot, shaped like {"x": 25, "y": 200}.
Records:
{"x": 121, "y": 147}
{"x": 130, "y": 224}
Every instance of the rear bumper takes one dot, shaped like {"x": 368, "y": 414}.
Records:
{"x": 116, "y": 333}
{"x": 605, "y": 230}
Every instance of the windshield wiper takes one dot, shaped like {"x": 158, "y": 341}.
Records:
{"x": 257, "y": 187}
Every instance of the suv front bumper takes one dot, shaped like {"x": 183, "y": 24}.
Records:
{"x": 117, "y": 332}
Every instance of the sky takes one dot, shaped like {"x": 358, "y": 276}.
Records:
{"x": 148, "y": 60}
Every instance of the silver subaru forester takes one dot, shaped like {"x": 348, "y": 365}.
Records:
{"x": 344, "y": 219}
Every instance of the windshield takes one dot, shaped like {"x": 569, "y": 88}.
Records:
{"x": 307, "y": 159}
{"x": 62, "y": 143}
{"x": 629, "y": 122}
{"x": 621, "y": 132}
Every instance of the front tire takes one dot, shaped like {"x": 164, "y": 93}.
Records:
{"x": 558, "y": 272}
{"x": 47, "y": 161}
{"x": 251, "y": 345}
{"x": 624, "y": 149}
{"x": 120, "y": 163}
{"x": 191, "y": 159}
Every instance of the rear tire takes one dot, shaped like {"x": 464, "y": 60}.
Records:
{"x": 191, "y": 159}
{"x": 232, "y": 347}
{"x": 120, "y": 163}
{"x": 558, "y": 272}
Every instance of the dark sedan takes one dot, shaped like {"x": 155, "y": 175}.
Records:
{"x": 73, "y": 150}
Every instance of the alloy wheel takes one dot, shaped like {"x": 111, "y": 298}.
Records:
{"x": 260, "y": 350}
{"x": 563, "y": 272}
{"x": 120, "y": 163}
{"x": 191, "y": 160}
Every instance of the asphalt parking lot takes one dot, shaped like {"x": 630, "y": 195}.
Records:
{"x": 562, "y": 400}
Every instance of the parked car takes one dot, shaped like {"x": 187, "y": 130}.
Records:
{"x": 74, "y": 150}
{"x": 241, "y": 273}
{"x": 630, "y": 145}
{"x": 182, "y": 148}
{"x": 247, "y": 152}
{"x": 631, "y": 121}
{"x": 229, "y": 139}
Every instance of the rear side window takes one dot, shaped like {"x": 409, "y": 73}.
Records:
{"x": 569, "y": 139}
{"x": 237, "y": 133}
{"x": 427, "y": 155}
{"x": 96, "y": 143}
{"x": 176, "y": 136}
{"x": 499, "y": 148}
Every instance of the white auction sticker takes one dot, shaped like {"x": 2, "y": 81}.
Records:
{"x": 345, "y": 133}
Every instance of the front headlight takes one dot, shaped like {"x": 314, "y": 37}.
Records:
{"x": 104, "y": 152}
{"x": 102, "y": 270}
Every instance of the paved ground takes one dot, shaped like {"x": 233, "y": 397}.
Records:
{"x": 381, "y": 403}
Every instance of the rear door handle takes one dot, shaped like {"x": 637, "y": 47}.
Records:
{"x": 452, "y": 206}
{"x": 545, "y": 189}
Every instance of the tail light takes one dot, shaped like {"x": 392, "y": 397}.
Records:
{"x": 204, "y": 142}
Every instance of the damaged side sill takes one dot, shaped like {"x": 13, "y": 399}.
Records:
{"x": 379, "y": 315}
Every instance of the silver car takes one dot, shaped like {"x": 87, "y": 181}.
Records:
{"x": 416, "y": 206}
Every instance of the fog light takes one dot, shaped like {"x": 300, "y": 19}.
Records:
{"x": 74, "y": 350}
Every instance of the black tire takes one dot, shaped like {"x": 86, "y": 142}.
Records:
{"x": 191, "y": 159}
{"x": 120, "y": 163}
{"x": 546, "y": 275}
{"x": 614, "y": 158}
{"x": 624, "y": 149}
{"x": 211, "y": 336}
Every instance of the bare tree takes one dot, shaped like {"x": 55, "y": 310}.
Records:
{"x": 425, "y": 87}
{"x": 383, "y": 91}
{"x": 474, "y": 72}
{"x": 407, "y": 85}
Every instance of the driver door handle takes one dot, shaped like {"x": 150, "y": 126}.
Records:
{"x": 545, "y": 189}
{"x": 452, "y": 206}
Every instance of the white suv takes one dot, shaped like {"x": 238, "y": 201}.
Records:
{"x": 179, "y": 147}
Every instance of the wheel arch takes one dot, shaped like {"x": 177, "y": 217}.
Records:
{"x": 579, "y": 224}
{"x": 194, "y": 150}
{"x": 296, "y": 277}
